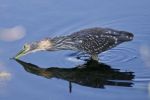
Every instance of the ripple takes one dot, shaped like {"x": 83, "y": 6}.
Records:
{"x": 78, "y": 56}
{"x": 142, "y": 79}
{"x": 118, "y": 55}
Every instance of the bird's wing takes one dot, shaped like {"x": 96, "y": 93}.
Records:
{"x": 107, "y": 43}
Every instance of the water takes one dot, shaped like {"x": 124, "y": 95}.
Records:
{"x": 30, "y": 20}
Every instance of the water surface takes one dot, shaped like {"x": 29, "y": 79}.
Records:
{"x": 31, "y": 20}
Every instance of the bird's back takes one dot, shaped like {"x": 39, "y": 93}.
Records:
{"x": 96, "y": 40}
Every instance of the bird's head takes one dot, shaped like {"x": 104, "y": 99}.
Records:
{"x": 34, "y": 47}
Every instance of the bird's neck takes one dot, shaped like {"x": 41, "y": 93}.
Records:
{"x": 44, "y": 44}
{"x": 63, "y": 43}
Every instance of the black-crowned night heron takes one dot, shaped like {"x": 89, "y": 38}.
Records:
{"x": 92, "y": 41}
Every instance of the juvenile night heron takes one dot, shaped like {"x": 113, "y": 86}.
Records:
{"x": 92, "y": 41}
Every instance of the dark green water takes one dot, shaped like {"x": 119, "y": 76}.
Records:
{"x": 124, "y": 74}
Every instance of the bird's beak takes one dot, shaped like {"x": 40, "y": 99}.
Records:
{"x": 21, "y": 53}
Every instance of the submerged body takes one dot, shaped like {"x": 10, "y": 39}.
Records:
{"x": 92, "y": 41}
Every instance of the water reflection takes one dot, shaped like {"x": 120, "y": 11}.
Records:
{"x": 12, "y": 33}
{"x": 91, "y": 74}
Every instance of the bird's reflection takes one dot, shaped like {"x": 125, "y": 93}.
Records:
{"x": 91, "y": 74}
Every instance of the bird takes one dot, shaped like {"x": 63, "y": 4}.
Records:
{"x": 92, "y": 41}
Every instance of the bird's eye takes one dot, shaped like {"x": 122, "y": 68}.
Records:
{"x": 26, "y": 46}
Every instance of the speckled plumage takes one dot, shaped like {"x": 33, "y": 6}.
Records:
{"x": 92, "y": 41}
